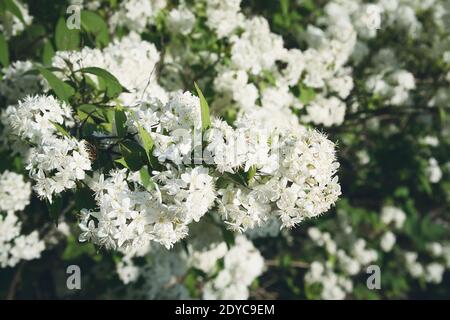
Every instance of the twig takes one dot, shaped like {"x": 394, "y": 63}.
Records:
{"x": 295, "y": 264}
{"x": 15, "y": 281}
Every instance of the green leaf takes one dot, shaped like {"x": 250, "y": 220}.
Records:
{"x": 132, "y": 154}
{"x": 12, "y": 7}
{"x": 55, "y": 208}
{"x": 75, "y": 250}
{"x": 206, "y": 120}
{"x": 90, "y": 110}
{"x": 4, "y": 51}
{"x": 120, "y": 121}
{"x": 146, "y": 180}
{"x": 147, "y": 143}
{"x": 284, "y": 7}
{"x": 84, "y": 199}
{"x": 47, "y": 53}
{"x": 65, "y": 38}
{"x": 60, "y": 129}
{"x": 306, "y": 94}
{"x": 122, "y": 162}
{"x": 94, "y": 24}
{"x": 251, "y": 174}
{"x": 113, "y": 86}
{"x": 61, "y": 89}
{"x": 442, "y": 115}
{"x": 228, "y": 236}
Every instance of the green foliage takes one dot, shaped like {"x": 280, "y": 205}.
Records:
{"x": 113, "y": 86}
{"x": 206, "y": 120}
{"x": 120, "y": 121}
{"x": 65, "y": 38}
{"x": 62, "y": 90}
{"x": 94, "y": 25}
{"x": 4, "y": 51}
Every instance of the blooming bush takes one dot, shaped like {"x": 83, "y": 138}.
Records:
{"x": 225, "y": 149}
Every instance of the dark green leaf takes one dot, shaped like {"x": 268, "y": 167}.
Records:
{"x": 12, "y": 7}
{"x": 61, "y": 89}
{"x": 55, "y": 208}
{"x": 47, "y": 53}
{"x": 120, "y": 121}
{"x": 4, "y": 51}
{"x": 113, "y": 86}
{"x": 133, "y": 155}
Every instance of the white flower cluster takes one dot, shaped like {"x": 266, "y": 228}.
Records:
{"x": 242, "y": 264}
{"x": 15, "y": 196}
{"x": 335, "y": 280}
{"x": 17, "y": 82}
{"x": 223, "y": 17}
{"x": 14, "y": 192}
{"x": 128, "y": 218}
{"x": 353, "y": 261}
{"x": 392, "y": 215}
{"x": 334, "y": 274}
{"x": 297, "y": 174}
{"x": 160, "y": 275}
{"x": 228, "y": 270}
{"x": 256, "y": 51}
{"x": 136, "y": 15}
{"x": 11, "y": 25}
{"x": 432, "y": 272}
{"x": 434, "y": 171}
{"x": 180, "y": 20}
{"x": 55, "y": 161}
{"x": 294, "y": 178}
{"x": 326, "y": 111}
{"x": 173, "y": 126}
{"x": 131, "y": 60}
{"x": 334, "y": 286}
{"x": 394, "y": 87}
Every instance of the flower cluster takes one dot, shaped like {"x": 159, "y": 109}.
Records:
{"x": 55, "y": 161}
{"x": 242, "y": 264}
{"x": 293, "y": 173}
{"x": 11, "y": 25}
{"x": 15, "y": 196}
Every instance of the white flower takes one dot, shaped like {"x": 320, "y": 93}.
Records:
{"x": 223, "y": 16}
{"x": 13, "y": 245}
{"x": 434, "y": 272}
{"x": 136, "y": 14}
{"x": 387, "y": 241}
{"x": 391, "y": 214}
{"x": 127, "y": 271}
{"x": 362, "y": 254}
{"x": 435, "y": 248}
{"x": 11, "y": 25}
{"x": 326, "y": 111}
{"x": 16, "y": 83}
{"x": 257, "y": 48}
{"x": 242, "y": 264}
{"x": 180, "y": 20}
{"x": 434, "y": 171}
{"x": 14, "y": 192}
